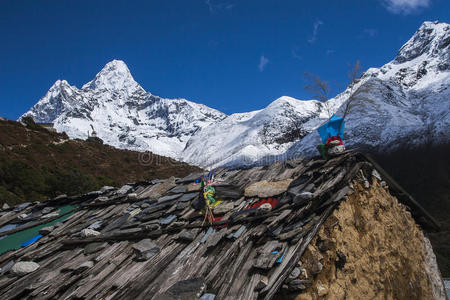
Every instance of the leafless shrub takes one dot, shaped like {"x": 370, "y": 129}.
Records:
{"x": 319, "y": 88}
{"x": 354, "y": 73}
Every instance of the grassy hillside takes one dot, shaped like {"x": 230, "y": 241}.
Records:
{"x": 36, "y": 164}
{"x": 425, "y": 173}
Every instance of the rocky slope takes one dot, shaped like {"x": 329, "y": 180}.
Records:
{"x": 405, "y": 101}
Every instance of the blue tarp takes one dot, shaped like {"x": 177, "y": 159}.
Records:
{"x": 332, "y": 128}
{"x": 31, "y": 241}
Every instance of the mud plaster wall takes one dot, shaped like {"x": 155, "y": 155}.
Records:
{"x": 370, "y": 248}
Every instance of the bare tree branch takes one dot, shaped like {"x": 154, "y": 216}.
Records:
{"x": 319, "y": 88}
{"x": 354, "y": 73}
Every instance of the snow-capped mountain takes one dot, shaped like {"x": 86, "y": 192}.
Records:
{"x": 407, "y": 101}
{"x": 122, "y": 113}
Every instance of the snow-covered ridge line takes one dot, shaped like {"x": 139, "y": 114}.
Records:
{"x": 405, "y": 101}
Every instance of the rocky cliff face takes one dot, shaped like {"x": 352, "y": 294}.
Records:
{"x": 406, "y": 101}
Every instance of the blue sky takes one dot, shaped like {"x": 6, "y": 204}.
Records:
{"x": 234, "y": 56}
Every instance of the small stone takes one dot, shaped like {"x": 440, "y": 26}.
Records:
{"x": 295, "y": 273}
{"x": 96, "y": 225}
{"x": 298, "y": 285}
{"x": 124, "y": 189}
{"x": 22, "y": 268}
{"x": 134, "y": 212}
{"x": 50, "y": 215}
{"x": 167, "y": 220}
{"x": 187, "y": 236}
{"x": 321, "y": 289}
{"x": 366, "y": 184}
{"x": 58, "y": 224}
{"x": 132, "y": 196}
{"x": 94, "y": 247}
{"x": 263, "y": 282}
{"x": 305, "y": 196}
{"x": 223, "y": 208}
{"x": 151, "y": 227}
{"x": 341, "y": 259}
{"x": 47, "y": 210}
{"x": 145, "y": 205}
{"x": 193, "y": 187}
{"x": 145, "y": 249}
{"x": 106, "y": 189}
{"x": 46, "y": 230}
{"x": 84, "y": 266}
{"x": 208, "y": 297}
{"x": 264, "y": 189}
{"x": 316, "y": 268}
{"x": 5, "y": 206}
{"x": 102, "y": 199}
{"x": 89, "y": 233}
{"x": 60, "y": 197}
{"x": 376, "y": 174}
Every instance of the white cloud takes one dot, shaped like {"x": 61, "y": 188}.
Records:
{"x": 405, "y": 6}
{"x": 214, "y": 6}
{"x": 330, "y": 52}
{"x": 263, "y": 61}
{"x": 315, "y": 31}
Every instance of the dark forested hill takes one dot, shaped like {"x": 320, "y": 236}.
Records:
{"x": 36, "y": 164}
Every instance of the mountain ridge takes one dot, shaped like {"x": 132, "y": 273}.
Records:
{"x": 404, "y": 101}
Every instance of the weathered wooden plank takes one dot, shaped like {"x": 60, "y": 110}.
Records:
{"x": 229, "y": 278}
{"x": 291, "y": 258}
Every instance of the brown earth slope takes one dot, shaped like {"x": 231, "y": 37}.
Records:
{"x": 370, "y": 248}
{"x": 36, "y": 164}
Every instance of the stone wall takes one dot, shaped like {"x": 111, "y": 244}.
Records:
{"x": 369, "y": 248}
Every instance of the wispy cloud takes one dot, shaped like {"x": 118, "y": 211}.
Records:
{"x": 405, "y": 7}
{"x": 295, "y": 53}
{"x": 330, "y": 52}
{"x": 263, "y": 61}
{"x": 370, "y": 32}
{"x": 215, "y": 6}
{"x": 315, "y": 31}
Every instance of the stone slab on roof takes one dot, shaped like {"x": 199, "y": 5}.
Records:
{"x": 157, "y": 246}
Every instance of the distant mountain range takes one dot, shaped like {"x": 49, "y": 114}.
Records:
{"x": 405, "y": 102}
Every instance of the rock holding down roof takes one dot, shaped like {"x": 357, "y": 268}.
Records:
{"x": 155, "y": 245}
